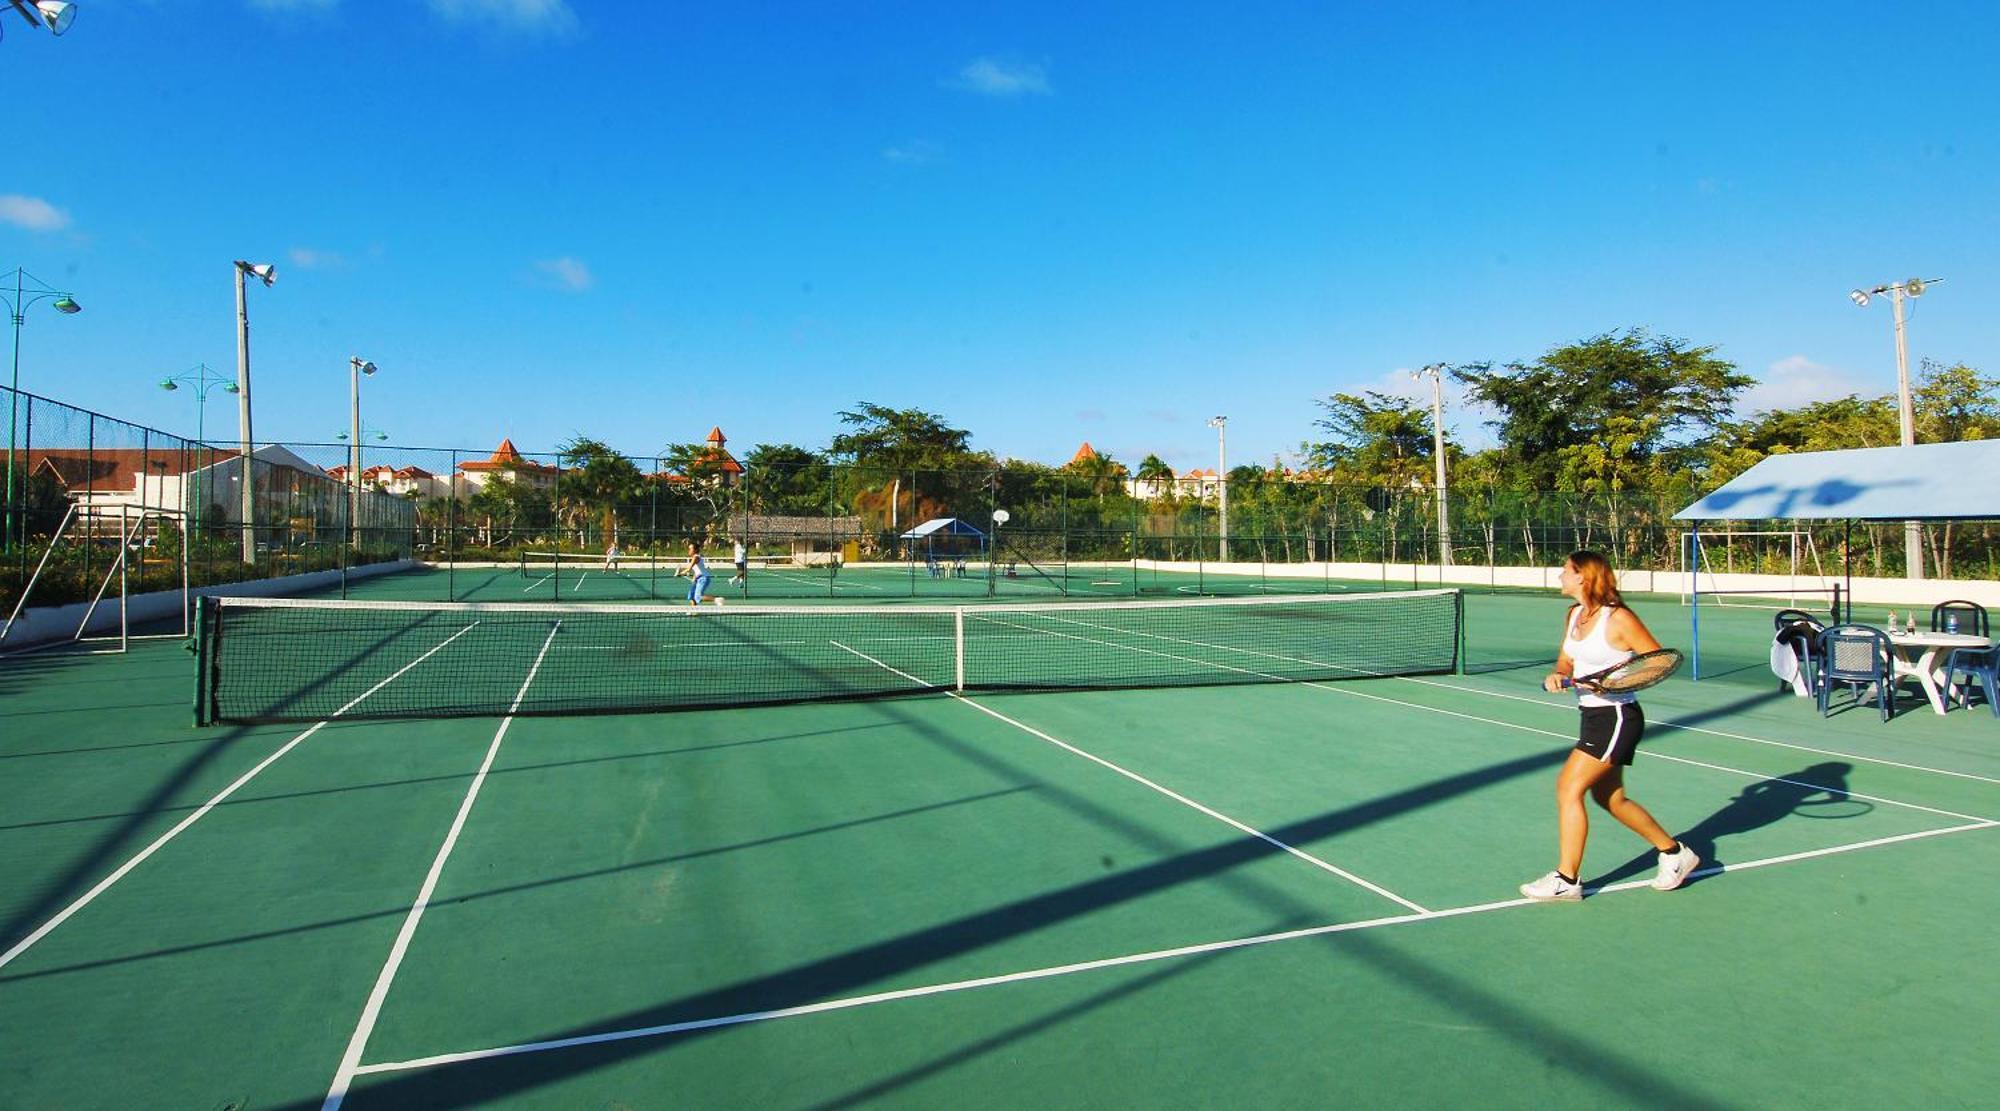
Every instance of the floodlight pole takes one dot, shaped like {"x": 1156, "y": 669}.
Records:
{"x": 1221, "y": 426}
{"x": 203, "y": 380}
{"x": 1913, "y": 542}
{"x": 24, "y": 295}
{"x": 356, "y": 367}
{"x": 1435, "y": 372}
{"x": 267, "y": 274}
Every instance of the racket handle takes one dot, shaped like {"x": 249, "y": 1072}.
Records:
{"x": 1568, "y": 683}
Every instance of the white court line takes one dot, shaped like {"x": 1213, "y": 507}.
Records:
{"x": 538, "y": 582}
{"x": 22, "y": 945}
{"x": 1451, "y": 713}
{"x": 1167, "y": 791}
{"x": 352, "y": 1059}
{"x": 1092, "y": 966}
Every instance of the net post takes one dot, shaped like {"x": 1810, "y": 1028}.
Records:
{"x": 203, "y": 616}
{"x": 1458, "y": 646}
{"x": 958, "y": 645}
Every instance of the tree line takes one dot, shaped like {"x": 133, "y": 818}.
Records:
{"x": 1593, "y": 440}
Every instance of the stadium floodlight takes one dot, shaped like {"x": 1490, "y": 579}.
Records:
{"x": 203, "y": 380}
{"x": 1001, "y": 516}
{"x": 55, "y": 16}
{"x": 1913, "y": 541}
{"x": 1221, "y": 426}
{"x": 1435, "y": 372}
{"x": 356, "y": 368}
{"x": 266, "y": 273}
{"x": 27, "y": 290}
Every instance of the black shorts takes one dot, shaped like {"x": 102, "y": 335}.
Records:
{"x": 1611, "y": 733}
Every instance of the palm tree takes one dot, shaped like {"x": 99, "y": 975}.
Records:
{"x": 1154, "y": 472}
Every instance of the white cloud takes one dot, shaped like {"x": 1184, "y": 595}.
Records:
{"x": 32, "y": 213}
{"x": 913, "y": 154}
{"x": 994, "y": 77}
{"x": 568, "y": 272}
{"x": 1797, "y": 381}
{"x": 305, "y": 258}
{"x": 550, "y": 17}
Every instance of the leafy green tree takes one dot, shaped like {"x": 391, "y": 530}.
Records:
{"x": 596, "y": 481}
{"x": 1154, "y": 471}
{"x": 788, "y": 480}
{"x": 901, "y": 440}
{"x": 1955, "y": 402}
{"x": 1373, "y": 439}
{"x": 1651, "y": 396}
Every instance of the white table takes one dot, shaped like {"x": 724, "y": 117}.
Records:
{"x": 1922, "y": 656}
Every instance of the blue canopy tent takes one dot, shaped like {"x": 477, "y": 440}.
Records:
{"x": 946, "y": 536}
{"x": 1923, "y": 482}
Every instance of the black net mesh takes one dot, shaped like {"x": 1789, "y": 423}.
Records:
{"x": 293, "y": 660}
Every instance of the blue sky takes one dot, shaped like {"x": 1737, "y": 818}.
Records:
{"x": 1049, "y": 223}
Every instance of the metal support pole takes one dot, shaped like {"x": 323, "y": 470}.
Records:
{"x": 1913, "y": 542}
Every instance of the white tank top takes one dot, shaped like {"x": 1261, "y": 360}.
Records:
{"x": 1593, "y": 653}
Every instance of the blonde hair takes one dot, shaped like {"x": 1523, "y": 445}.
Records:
{"x": 1597, "y": 583}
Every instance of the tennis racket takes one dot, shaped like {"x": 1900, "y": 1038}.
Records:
{"x": 1635, "y": 674}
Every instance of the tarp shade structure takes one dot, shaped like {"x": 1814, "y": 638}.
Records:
{"x": 942, "y": 526}
{"x": 1923, "y": 482}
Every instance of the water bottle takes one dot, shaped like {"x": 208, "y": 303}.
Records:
{"x": 1911, "y": 628}
{"x": 1951, "y": 623}
{"x": 1892, "y": 622}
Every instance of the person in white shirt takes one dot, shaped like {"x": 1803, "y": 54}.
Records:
{"x": 1599, "y": 633}
{"x": 741, "y": 556}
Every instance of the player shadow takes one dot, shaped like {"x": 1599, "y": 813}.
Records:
{"x": 1762, "y": 803}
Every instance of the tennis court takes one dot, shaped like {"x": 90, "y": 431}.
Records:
{"x": 1258, "y": 894}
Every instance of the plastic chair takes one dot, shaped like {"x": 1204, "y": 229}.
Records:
{"x": 1798, "y": 631}
{"x": 1856, "y": 655}
{"x": 1981, "y": 664}
{"x": 1971, "y": 618}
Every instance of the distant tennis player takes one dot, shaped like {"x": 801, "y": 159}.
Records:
{"x": 696, "y": 569}
{"x": 611, "y": 557}
{"x": 1600, "y": 633}
{"x": 740, "y": 555}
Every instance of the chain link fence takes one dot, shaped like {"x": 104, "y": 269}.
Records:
{"x": 507, "y": 525}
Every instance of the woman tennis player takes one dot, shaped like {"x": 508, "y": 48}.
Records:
{"x": 696, "y": 569}
{"x": 1599, "y": 633}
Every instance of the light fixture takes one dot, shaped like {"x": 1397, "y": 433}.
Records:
{"x": 67, "y": 304}
{"x": 56, "y": 15}
{"x": 262, "y": 271}
{"x": 1859, "y": 297}
{"x": 1000, "y": 516}
{"x": 363, "y": 365}
{"x": 1912, "y": 288}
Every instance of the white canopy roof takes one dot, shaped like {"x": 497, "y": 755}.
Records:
{"x": 1922, "y": 482}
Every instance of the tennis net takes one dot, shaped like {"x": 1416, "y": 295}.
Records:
{"x": 280, "y": 659}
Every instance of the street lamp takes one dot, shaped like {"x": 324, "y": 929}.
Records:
{"x": 203, "y": 380}
{"x": 1221, "y": 426}
{"x": 56, "y": 15}
{"x": 25, "y": 294}
{"x": 356, "y": 367}
{"x": 1435, "y": 372}
{"x": 1913, "y": 544}
{"x": 266, "y": 273}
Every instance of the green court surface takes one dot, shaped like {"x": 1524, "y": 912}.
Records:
{"x": 1297, "y": 894}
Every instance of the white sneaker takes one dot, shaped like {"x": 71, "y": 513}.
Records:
{"x": 1675, "y": 868}
{"x": 1552, "y": 888}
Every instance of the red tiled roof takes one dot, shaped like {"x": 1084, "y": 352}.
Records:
{"x": 505, "y": 458}
{"x": 1083, "y": 453}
